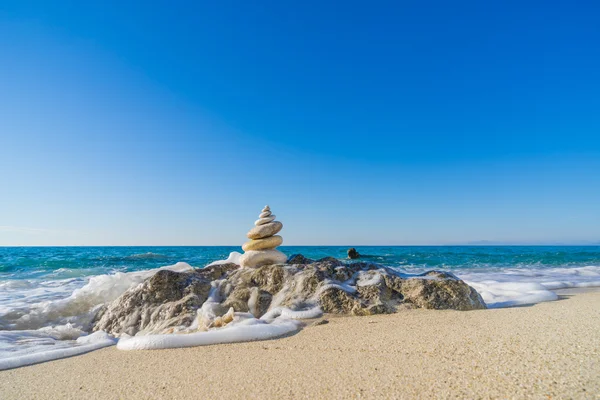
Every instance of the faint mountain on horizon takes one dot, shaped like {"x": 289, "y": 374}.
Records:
{"x": 566, "y": 243}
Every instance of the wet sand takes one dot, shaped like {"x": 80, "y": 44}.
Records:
{"x": 550, "y": 350}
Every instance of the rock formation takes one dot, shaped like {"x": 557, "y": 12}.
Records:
{"x": 169, "y": 301}
{"x": 353, "y": 254}
{"x": 260, "y": 250}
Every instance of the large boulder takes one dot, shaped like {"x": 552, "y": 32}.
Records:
{"x": 169, "y": 300}
{"x": 440, "y": 291}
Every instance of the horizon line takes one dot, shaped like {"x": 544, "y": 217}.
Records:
{"x": 591, "y": 244}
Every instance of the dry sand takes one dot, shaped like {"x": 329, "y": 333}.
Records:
{"x": 550, "y": 350}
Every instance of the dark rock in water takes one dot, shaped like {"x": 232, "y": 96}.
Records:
{"x": 170, "y": 300}
{"x": 353, "y": 254}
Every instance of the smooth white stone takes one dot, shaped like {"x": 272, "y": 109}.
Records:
{"x": 263, "y": 221}
{"x": 265, "y": 214}
{"x": 257, "y": 258}
{"x": 263, "y": 244}
{"x": 267, "y": 208}
{"x": 265, "y": 230}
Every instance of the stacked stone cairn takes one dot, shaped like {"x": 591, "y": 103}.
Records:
{"x": 260, "y": 250}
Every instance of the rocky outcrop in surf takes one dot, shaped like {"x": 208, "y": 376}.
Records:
{"x": 166, "y": 300}
{"x": 174, "y": 301}
{"x": 353, "y": 254}
{"x": 260, "y": 250}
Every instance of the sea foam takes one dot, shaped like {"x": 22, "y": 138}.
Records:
{"x": 234, "y": 257}
{"x": 32, "y": 308}
{"x": 83, "y": 344}
{"x": 250, "y": 330}
{"x": 517, "y": 286}
{"x": 37, "y": 316}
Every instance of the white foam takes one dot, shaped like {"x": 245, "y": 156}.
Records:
{"x": 284, "y": 312}
{"x": 208, "y": 311}
{"x": 82, "y": 345}
{"x": 36, "y": 316}
{"x": 518, "y": 286}
{"x": 250, "y": 331}
{"x": 234, "y": 257}
{"x": 510, "y": 294}
{"x": 369, "y": 278}
{"x": 46, "y": 305}
{"x": 341, "y": 286}
{"x": 253, "y": 301}
{"x": 21, "y": 342}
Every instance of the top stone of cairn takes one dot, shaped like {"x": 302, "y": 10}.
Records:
{"x": 260, "y": 250}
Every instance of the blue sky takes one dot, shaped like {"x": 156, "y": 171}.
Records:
{"x": 359, "y": 123}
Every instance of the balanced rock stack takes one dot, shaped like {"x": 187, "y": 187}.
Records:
{"x": 260, "y": 250}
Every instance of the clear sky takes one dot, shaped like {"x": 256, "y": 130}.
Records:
{"x": 421, "y": 122}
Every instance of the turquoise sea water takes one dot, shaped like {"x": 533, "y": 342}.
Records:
{"x": 79, "y": 262}
{"x": 48, "y": 295}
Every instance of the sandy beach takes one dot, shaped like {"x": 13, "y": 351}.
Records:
{"x": 549, "y": 350}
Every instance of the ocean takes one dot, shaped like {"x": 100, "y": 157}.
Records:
{"x": 49, "y": 295}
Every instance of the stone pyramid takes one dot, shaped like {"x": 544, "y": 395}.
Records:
{"x": 260, "y": 249}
